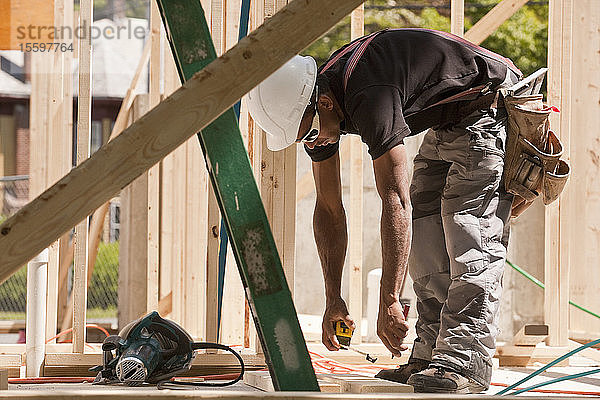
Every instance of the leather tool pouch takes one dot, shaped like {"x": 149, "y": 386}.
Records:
{"x": 533, "y": 164}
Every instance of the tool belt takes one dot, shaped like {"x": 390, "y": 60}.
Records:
{"x": 533, "y": 163}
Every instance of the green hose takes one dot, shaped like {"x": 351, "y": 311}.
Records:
{"x": 562, "y": 378}
{"x": 550, "y": 364}
{"x": 540, "y": 284}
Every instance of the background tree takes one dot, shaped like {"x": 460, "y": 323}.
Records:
{"x": 523, "y": 38}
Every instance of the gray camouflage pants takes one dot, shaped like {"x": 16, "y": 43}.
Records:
{"x": 460, "y": 234}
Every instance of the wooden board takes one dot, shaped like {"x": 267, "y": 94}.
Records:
{"x": 531, "y": 335}
{"x": 457, "y": 17}
{"x": 7, "y": 145}
{"x": 133, "y": 255}
{"x": 334, "y": 383}
{"x": 557, "y": 226}
{"x": 262, "y": 380}
{"x": 19, "y": 14}
{"x": 352, "y": 383}
{"x": 582, "y": 214}
{"x": 493, "y": 19}
{"x": 355, "y": 211}
{"x": 3, "y": 378}
{"x": 152, "y": 394}
{"x": 523, "y": 356}
{"x": 188, "y": 110}
{"x": 72, "y": 364}
{"x": 84, "y": 117}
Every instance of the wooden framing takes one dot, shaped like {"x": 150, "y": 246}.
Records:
{"x": 581, "y": 202}
{"x": 150, "y": 394}
{"x": 557, "y": 257}
{"x": 531, "y": 335}
{"x": 355, "y": 215}
{"x": 457, "y": 17}
{"x": 334, "y": 383}
{"x": 115, "y": 165}
{"x": 173, "y": 276}
{"x": 84, "y": 116}
{"x": 493, "y": 19}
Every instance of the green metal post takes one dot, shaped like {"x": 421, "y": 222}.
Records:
{"x": 241, "y": 206}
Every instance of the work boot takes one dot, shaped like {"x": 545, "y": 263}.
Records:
{"x": 403, "y": 372}
{"x": 441, "y": 380}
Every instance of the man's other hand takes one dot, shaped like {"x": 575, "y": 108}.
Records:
{"x": 335, "y": 310}
{"x": 392, "y": 327}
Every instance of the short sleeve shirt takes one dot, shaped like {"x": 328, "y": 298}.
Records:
{"x": 401, "y": 73}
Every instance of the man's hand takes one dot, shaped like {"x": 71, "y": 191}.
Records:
{"x": 336, "y": 310}
{"x": 392, "y": 327}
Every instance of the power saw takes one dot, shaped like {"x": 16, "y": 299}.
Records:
{"x": 152, "y": 350}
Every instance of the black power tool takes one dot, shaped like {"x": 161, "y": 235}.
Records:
{"x": 153, "y": 350}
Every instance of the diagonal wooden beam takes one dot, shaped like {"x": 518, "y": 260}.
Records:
{"x": 493, "y": 19}
{"x": 196, "y": 104}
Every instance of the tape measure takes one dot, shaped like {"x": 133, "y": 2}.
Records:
{"x": 343, "y": 333}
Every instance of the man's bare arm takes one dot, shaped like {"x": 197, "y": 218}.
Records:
{"x": 329, "y": 224}
{"x": 391, "y": 176}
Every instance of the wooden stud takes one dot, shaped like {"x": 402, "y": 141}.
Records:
{"x": 218, "y": 32}
{"x": 557, "y": 251}
{"x": 581, "y": 200}
{"x": 182, "y": 115}
{"x": 493, "y": 19}
{"x": 3, "y": 378}
{"x": 84, "y": 112}
{"x": 355, "y": 215}
{"x": 97, "y": 220}
{"x": 7, "y": 145}
{"x": 211, "y": 312}
{"x": 153, "y": 177}
{"x": 59, "y": 152}
{"x": 275, "y": 188}
{"x": 457, "y": 17}
{"x": 120, "y": 124}
{"x": 133, "y": 254}
{"x": 7, "y": 149}
{"x": 196, "y": 201}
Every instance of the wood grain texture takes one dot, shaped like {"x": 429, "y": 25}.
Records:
{"x": 84, "y": 117}
{"x": 203, "y": 98}
{"x": 493, "y": 19}
{"x": 354, "y": 383}
{"x": 583, "y": 190}
{"x": 153, "y": 177}
{"x": 457, "y": 17}
{"x": 522, "y": 356}
{"x": 530, "y": 335}
{"x": 355, "y": 214}
{"x": 133, "y": 256}
{"x": 151, "y": 394}
{"x": 3, "y": 378}
{"x": 558, "y": 221}
{"x": 262, "y": 380}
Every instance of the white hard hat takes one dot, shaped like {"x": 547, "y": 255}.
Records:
{"x": 278, "y": 103}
